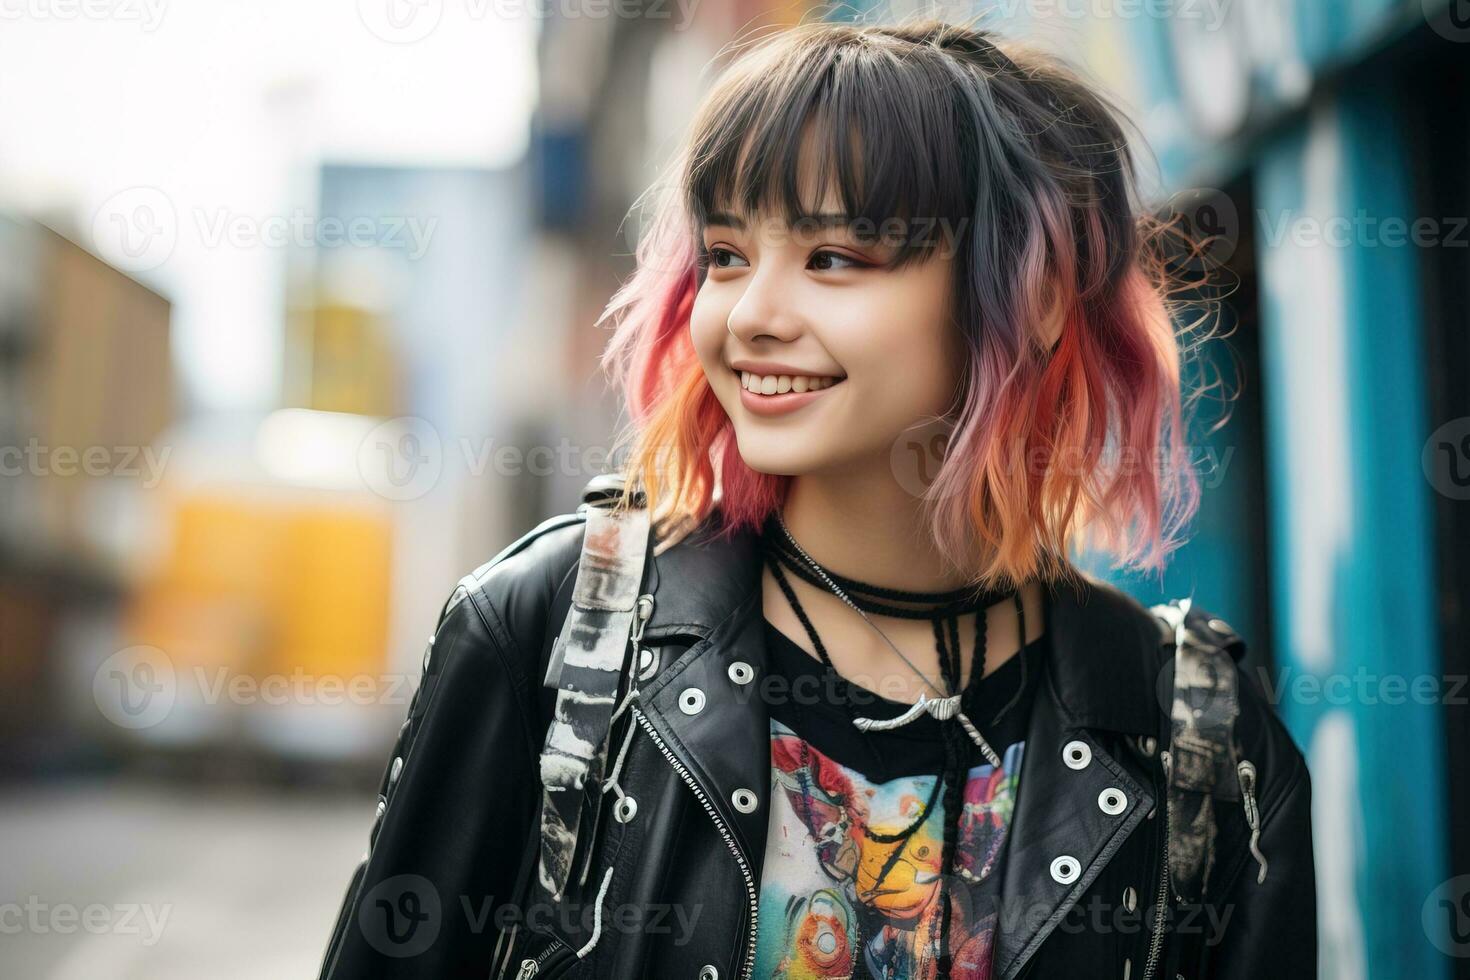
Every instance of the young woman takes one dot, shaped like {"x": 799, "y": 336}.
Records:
{"x": 898, "y": 343}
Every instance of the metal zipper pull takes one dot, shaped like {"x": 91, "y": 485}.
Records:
{"x": 642, "y": 613}
{"x": 1246, "y": 770}
{"x": 528, "y": 969}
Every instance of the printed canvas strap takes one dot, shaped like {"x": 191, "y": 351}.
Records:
{"x": 1201, "y": 761}
{"x": 587, "y": 662}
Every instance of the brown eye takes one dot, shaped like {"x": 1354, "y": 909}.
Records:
{"x": 822, "y": 261}
{"x": 720, "y": 258}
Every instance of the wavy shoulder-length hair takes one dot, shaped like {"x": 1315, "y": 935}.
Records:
{"x": 1080, "y": 444}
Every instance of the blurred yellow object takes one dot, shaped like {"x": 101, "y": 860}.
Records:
{"x": 285, "y": 583}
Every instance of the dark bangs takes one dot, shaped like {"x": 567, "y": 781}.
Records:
{"x": 878, "y": 117}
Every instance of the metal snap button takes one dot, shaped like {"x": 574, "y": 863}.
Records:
{"x": 1076, "y": 754}
{"x": 1112, "y": 801}
{"x": 691, "y": 700}
{"x": 396, "y": 770}
{"x": 740, "y": 672}
{"x": 382, "y": 807}
{"x": 647, "y": 664}
{"x": 625, "y": 809}
{"x": 745, "y": 801}
{"x": 1147, "y": 744}
{"x": 1065, "y": 869}
{"x": 708, "y": 972}
{"x": 1130, "y": 899}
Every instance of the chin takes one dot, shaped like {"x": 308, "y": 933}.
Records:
{"x": 779, "y": 455}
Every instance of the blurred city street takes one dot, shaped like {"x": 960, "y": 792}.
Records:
{"x": 300, "y": 323}
{"x": 151, "y": 881}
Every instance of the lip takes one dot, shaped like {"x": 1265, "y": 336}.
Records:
{"x": 778, "y": 404}
{"x": 764, "y": 368}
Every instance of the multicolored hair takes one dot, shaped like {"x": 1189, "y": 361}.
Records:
{"x": 1078, "y": 445}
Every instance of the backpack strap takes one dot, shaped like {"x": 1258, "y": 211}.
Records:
{"x": 587, "y": 664}
{"x": 1200, "y": 764}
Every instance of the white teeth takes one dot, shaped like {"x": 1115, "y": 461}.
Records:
{"x": 775, "y": 384}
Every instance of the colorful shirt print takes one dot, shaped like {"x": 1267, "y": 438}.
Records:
{"x": 836, "y": 900}
{"x": 836, "y": 904}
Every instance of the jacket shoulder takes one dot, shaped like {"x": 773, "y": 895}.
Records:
{"x": 514, "y": 591}
{"x": 1261, "y": 735}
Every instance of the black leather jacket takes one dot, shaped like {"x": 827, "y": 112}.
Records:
{"x": 437, "y": 893}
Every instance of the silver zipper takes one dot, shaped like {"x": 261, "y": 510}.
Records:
{"x": 531, "y": 967}
{"x": 749, "y": 961}
{"x": 1157, "y": 942}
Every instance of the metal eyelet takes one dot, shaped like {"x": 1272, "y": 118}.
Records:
{"x": 740, "y": 672}
{"x": 691, "y": 700}
{"x": 1112, "y": 801}
{"x": 745, "y": 801}
{"x": 647, "y": 664}
{"x": 1065, "y": 869}
{"x": 397, "y": 769}
{"x": 1130, "y": 899}
{"x": 708, "y": 972}
{"x": 625, "y": 809}
{"x": 1076, "y": 754}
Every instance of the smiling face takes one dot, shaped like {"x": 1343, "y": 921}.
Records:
{"x": 821, "y": 356}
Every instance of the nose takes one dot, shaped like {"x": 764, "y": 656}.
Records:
{"x": 765, "y": 310}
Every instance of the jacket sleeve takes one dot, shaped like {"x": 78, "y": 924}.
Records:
{"x": 455, "y": 807}
{"x": 1272, "y": 929}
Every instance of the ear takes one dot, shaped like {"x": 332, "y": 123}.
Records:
{"x": 1049, "y": 330}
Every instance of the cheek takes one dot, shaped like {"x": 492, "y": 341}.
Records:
{"x": 911, "y": 357}
{"x": 707, "y": 320}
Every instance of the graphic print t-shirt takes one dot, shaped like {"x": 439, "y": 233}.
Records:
{"x": 835, "y": 901}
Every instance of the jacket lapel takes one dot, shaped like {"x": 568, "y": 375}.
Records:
{"x": 1076, "y": 804}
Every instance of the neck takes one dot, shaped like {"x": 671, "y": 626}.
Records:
{"x": 866, "y": 526}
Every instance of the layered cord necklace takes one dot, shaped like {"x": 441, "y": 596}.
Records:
{"x": 943, "y": 610}
{"x": 951, "y": 704}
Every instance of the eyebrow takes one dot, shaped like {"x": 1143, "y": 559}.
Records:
{"x": 825, "y": 219}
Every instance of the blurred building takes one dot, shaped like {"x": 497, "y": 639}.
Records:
{"x": 1324, "y": 147}
{"x": 86, "y": 384}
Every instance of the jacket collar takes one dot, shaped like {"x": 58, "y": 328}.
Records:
{"x": 1106, "y": 653}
